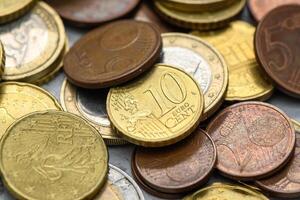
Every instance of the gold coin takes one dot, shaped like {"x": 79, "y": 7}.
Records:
{"x": 296, "y": 125}
{"x": 235, "y": 43}
{"x": 223, "y": 191}
{"x": 201, "y": 61}
{"x": 12, "y": 9}
{"x": 19, "y": 99}
{"x": 200, "y": 20}
{"x": 91, "y": 105}
{"x": 53, "y": 155}
{"x": 2, "y": 59}
{"x": 32, "y": 44}
{"x": 158, "y": 109}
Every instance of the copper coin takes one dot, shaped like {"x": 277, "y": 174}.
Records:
{"x": 259, "y": 8}
{"x": 177, "y": 168}
{"x": 113, "y": 54}
{"x": 92, "y": 12}
{"x": 253, "y": 139}
{"x": 277, "y": 47}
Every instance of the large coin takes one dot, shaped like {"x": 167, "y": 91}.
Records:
{"x": 2, "y": 59}
{"x": 277, "y": 46}
{"x": 19, "y": 99}
{"x": 254, "y": 140}
{"x": 235, "y": 43}
{"x": 64, "y": 155}
{"x": 32, "y": 44}
{"x": 160, "y": 108}
{"x": 200, "y": 60}
{"x": 113, "y": 54}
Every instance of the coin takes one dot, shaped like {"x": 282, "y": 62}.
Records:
{"x": 259, "y": 8}
{"x": 296, "y": 125}
{"x": 56, "y": 148}
{"x": 277, "y": 47}
{"x": 113, "y": 54}
{"x": 120, "y": 186}
{"x": 226, "y": 191}
{"x": 91, "y": 105}
{"x": 200, "y": 20}
{"x": 235, "y": 43}
{"x": 200, "y": 60}
{"x": 32, "y": 44}
{"x": 12, "y": 9}
{"x": 2, "y": 59}
{"x": 178, "y": 168}
{"x": 158, "y": 109}
{"x": 19, "y": 99}
{"x": 286, "y": 183}
{"x": 254, "y": 140}
{"x": 92, "y": 12}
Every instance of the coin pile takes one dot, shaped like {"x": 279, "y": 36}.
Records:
{"x": 190, "y": 103}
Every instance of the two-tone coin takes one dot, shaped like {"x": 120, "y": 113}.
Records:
{"x": 201, "y": 61}
{"x": 160, "y": 108}
{"x": 246, "y": 79}
{"x": 2, "y": 59}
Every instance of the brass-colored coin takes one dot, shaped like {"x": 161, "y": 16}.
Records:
{"x": 32, "y": 44}
{"x": 158, "y": 109}
{"x": 296, "y": 125}
{"x": 235, "y": 43}
{"x": 222, "y": 191}
{"x": 53, "y": 155}
{"x": 2, "y": 59}
{"x": 200, "y": 20}
{"x": 19, "y": 99}
{"x": 91, "y": 105}
{"x": 200, "y": 60}
{"x": 12, "y": 9}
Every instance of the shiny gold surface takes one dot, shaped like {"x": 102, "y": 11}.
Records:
{"x": 201, "y": 61}
{"x": 12, "y": 9}
{"x": 235, "y": 43}
{"x": 296, "y": 125}
{"x": 53, "y": 155}
{"x": 158, "y": 109}
{"x": 2, "y": 59}
{"x": 19, "y": 99}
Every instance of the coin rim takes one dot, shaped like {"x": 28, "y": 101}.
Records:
{"x": 2, "y": 59}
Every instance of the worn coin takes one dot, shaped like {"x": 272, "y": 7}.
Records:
{"x": 235, "y": 43}
{"x": 2, "y": 59}
{"x": 91, "y": 105}
{"x": 56, "y": 148}
{"x": 277, "y": 45}
{"x": 254, "y": 140}
{"x": 32, "y": 44}
{"x": 178, "y": 168}
{"x": 200, "y": 60}
{"x": 158, "y": 109}
{"x": 113, "y": 54}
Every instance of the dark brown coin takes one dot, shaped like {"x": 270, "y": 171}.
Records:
{"x": 113, "y": 54}
{"x": 92, "y": 12}
{"x": 253, "y": 139}
{"x": 177, "y": 168}
{"x": 277, "y": 47}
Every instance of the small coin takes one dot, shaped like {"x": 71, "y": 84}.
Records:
{"x": 32, "y": 44}
{"x": 286, "y": 183}
{"x": 120, "y": 186}
{"x": 200, "y": 60}
{"x": 178, "y": 168}
{"x": 113, "y": 54}
{"x": 158, "y": 109}
{"x": 92, "y": 12}
{"x": 91, "y": 105}
{"x": 19, "y": 99}
{"x": 259, "y": 8}
{"x": 224, "y": 191}
{"x": 235, "y": 43}
{"x": 2, "y": 59}
{"x": 56, "y": 148}
{"x": 254, "y": 140}
{"x": 277, "y": 45}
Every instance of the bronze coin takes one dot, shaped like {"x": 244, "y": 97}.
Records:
{"x": 113, "y": 54}
{"x": 259, "y": 8}
{"x": 177, "y": 168}
{"x": 277, "y": 47}
{"x": 254, "y": 140}
{"x": 89, "y": 13}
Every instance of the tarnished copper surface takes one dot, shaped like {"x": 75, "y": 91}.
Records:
{"x": 253, "y": 140}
